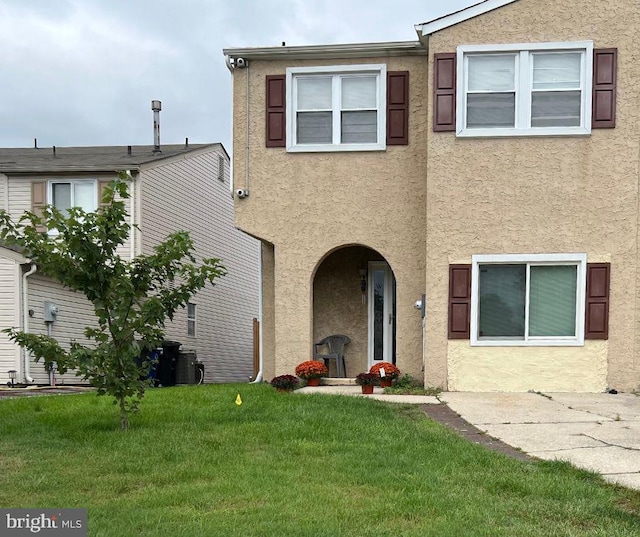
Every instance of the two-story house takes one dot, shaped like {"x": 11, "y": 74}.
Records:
{"x": 492, "y": 165}
{"x": 178, "y": 187}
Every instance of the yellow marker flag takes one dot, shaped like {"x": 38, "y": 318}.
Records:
{"x": 238, "y": 400}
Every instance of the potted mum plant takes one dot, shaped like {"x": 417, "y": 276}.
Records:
{"x": 386, "y": 373}
{"x": 312, "y": 371}
{"x": 285, "y": 383}
{"x": 367, "y": 381}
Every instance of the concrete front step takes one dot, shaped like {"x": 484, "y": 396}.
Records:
{"x": 337, "y": 381}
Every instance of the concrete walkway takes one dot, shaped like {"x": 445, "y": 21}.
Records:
{"x": 598, "y": 432}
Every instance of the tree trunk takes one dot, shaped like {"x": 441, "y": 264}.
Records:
{"x": 124, "y": 416}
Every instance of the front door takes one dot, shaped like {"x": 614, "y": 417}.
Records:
{"x": 382, "y": 313}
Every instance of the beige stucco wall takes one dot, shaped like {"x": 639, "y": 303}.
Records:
{"x": 307, "y": 205}
{"x": 518, "y": 369}
{"x": 540, "y": 195}
{"x": 268, "y": 311}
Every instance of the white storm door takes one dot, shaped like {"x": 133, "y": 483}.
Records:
{"x": 381, "y": 312}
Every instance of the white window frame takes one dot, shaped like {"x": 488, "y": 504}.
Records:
{"x": 293, "y": 73}
{"x": 72, "y": 182}
{"x": 580, "y": 260}
{"x": 524, "y": 87}
{"x": 191, "y": 320}
{"x": 221, "y": 167}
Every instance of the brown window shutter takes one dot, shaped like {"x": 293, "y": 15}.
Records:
{"x": 605, "y": 71}
{"x": 102, "y": 184}
{"x": 444, "y": 92}
{"x": 398, "y": 108}
{"x": 459, "y": 301}
{"x": 276, "y": 111}
{"x": 597, "y": 303}
{"x": 39, "y": 200}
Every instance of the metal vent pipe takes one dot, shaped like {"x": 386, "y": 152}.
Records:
{"x": 156, "y": 106}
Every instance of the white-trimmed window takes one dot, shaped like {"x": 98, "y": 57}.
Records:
{"x": 524, "y": 89}
{"x": 528, "y": 300}
{"x": 221, "y": 166}
{"x": 64, "y": 194}
{"x": 191, "y": 319}
{"x": 336, "y": 108}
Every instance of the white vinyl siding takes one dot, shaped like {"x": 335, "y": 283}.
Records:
{"x": 75, "y": 314}
{"x": 524, "y": 89}
{"x": 9, "y": 317}
{"x": 19, "y": 192}
{"x": 183, "y": 193}
{"x": 179, "y": 193}
{"x": 4, "y": 192}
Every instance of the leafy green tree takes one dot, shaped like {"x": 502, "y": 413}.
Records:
{"x": 132, "y": 299}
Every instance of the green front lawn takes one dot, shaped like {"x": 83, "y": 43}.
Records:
{"x": 196, "y": 464}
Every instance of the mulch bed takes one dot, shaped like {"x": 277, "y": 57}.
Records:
{"x": 443, "y": 414}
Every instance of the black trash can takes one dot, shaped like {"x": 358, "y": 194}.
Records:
{"x": 166, "y": 369}
{"x": 186, "y": 367}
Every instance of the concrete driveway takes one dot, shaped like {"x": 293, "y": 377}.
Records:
{"x": 598, "y": 432}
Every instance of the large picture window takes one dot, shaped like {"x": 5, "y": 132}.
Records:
{"x": 338, "y": 108}
{"x": 520, "y": 90}
{"x": 528, "y": 300}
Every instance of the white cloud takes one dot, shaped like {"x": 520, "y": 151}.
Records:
{"x": 83, "y": 72}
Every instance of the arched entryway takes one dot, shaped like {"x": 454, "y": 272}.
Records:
{"x": 354, "y": 292}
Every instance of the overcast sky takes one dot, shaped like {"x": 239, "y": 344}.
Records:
{"x": 84, "y": 72}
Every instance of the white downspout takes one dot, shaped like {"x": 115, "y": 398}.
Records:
{"x": 25, "y": 319}
{"x": 132, "y": 214}
{"x": 261, "y": 353}
{"x": 52, "y": 371}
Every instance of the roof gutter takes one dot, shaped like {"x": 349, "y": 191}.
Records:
{"x": 353, "y": 50}
{"x": 70, "y": 169}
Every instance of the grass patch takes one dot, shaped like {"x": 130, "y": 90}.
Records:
{"x": 407, "y": 385}
{"x": 195, "y": 464}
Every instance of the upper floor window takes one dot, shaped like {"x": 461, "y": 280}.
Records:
{"x": 534, "y": 89}
{"x": 221, "y": 167}
{"x": 64, "y": 194}
{"x": 191, "y": 319}
{"x": 336, "y": 108}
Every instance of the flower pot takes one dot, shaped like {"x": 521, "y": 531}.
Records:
{"x": 385, "y": 382}
{"x": 367, "y": 389}
{"x": 313, "y": 382}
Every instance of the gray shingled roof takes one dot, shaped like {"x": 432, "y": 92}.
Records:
{"x": 100, "y": 158}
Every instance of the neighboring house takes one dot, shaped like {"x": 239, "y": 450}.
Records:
{"x": 493, "y": 166}
{"x": 179, "y": 188}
